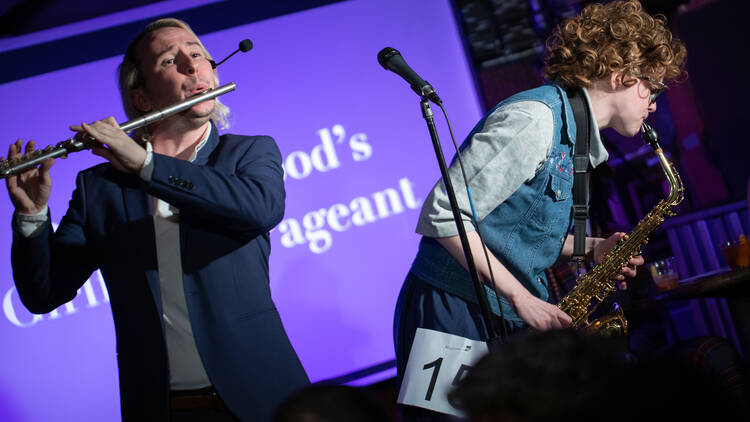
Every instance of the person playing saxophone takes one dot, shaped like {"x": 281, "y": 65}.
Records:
{"x": 519, "y": 166}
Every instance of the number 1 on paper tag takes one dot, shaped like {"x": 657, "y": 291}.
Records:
{"x": 437, "y": 362}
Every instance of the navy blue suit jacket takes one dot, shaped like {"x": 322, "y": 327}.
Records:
{"x": 229, "y": 198}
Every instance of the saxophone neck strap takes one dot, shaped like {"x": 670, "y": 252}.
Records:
{"x": 582, "y": 116}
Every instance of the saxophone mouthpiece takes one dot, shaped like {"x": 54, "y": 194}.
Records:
{"x": 650, "y": 136}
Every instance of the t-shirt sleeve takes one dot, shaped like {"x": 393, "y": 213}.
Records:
{"x": 505, "y": 153}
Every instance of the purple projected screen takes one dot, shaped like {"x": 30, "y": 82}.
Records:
{"x": 358, "y": 163}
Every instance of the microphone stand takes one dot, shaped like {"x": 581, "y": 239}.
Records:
{"x": 478, "y": 287}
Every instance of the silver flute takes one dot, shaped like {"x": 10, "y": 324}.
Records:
{"x": 75, "y": 144}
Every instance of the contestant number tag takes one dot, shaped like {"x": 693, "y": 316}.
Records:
{"x": 437, "y": 362}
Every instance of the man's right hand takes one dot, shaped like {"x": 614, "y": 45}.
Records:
{"x": 29, "y": 191}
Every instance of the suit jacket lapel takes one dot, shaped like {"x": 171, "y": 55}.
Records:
{"x": 139, "y": 213}
{"x": 212, "y": 142}
{"x": 201, "y": 158}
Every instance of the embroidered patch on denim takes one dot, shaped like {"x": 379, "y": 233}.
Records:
{"x": 564, "y": 163}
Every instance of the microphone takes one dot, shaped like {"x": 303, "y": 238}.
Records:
{"x": 391, "y": 60}
{"x": 245, "y": 46}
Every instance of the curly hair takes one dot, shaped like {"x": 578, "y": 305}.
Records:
{"x": 130, "y": 76}
{"x": 616, "y": 37}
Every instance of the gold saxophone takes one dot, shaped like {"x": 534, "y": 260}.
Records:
{"x": 598, "y": 283}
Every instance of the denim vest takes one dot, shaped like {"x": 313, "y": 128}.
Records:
{"x": 526, "y": 231}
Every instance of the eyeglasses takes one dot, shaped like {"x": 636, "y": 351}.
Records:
{"x": 654, "y": 86}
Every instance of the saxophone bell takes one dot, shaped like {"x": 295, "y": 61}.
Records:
{"x": 613, "y": 324}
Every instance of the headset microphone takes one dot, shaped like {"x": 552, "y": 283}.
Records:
{"x": 245, "y": 46}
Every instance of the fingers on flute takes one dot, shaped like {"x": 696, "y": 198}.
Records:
{"x": 30, "y": 146}
{"x": 15, "y": 149}
{"x": 109, "y": 120}
{"x": 82, "y": 129}
{"x": 46, "y": 164}
{"x": 90, "y": 130}
{"x": 95, "y": 129}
